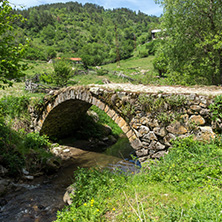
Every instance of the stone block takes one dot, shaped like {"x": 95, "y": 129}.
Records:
{"x": 142, "y": 152}
{"x": 197, "y": 119}
{"x": 176, "y": 128}
{"x": 106, "y": 109}
{"x": 205, "y": 112}
{"x": 144, "y": 130}
{"x": 204, "y": 133}
{"x": 195, "y": 108}
{"x": 150, "y": 136}
{"x": 159, "y": 154}
{"x": 160, "y": 131}
{"x": 101, "y": 105}
{"x": 130, "y": 134}
{"x": 168, "y": 138}
{"x": 153, "y": 123}
{"x": 136, "y": 143}
{"x": 125, "y": 128}
{"x": 111, "y": 113}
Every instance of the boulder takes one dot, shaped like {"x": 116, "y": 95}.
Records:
{"x": 70, "y": 190}
{"x": 3, "y": 171}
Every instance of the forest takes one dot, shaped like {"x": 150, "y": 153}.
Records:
{"x": 86, "y": 31}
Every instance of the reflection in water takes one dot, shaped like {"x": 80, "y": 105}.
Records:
{"x": 39, "y": 200}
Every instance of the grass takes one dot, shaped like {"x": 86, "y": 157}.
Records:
{"x": 162, "y": 191}
{"x": 139, "y": 69}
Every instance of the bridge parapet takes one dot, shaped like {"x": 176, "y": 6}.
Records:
{"x": 150, "y": 121}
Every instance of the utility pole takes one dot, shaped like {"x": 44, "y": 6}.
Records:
{"x": 117, "y": 48}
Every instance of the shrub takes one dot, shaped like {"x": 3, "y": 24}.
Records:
{"x": 14, "y": 106}
{"x": 189, "y": 164}
{"x": 62, "y": 73}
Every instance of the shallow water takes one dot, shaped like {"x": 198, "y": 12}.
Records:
{"x": 39, "y": 200}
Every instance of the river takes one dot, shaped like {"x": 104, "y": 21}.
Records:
{"x": 40, "y": 199}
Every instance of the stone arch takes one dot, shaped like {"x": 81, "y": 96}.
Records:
{"x": 58, "y": 115}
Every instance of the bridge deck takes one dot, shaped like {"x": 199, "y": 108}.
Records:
{"x": 205, "y": 90}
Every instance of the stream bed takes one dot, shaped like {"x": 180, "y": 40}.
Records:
{"x": 39, "y": 200}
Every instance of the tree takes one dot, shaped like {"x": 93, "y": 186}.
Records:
{"x": 62, "y": 73}
{"x": 193, "y": 42}
{"x": 10, "y": 51}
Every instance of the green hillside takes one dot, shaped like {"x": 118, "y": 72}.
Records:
{"x": 89, "y": 31}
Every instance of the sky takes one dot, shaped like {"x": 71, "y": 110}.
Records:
{"x": 146, "y": 6}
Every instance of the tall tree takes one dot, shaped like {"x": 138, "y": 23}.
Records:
{"x": 10, "y": 50}
{"x": 193, "y": 43}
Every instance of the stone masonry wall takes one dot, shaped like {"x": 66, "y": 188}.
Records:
{"x": 150, "y": 121}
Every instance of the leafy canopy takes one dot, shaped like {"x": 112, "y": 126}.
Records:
{"x": 10, "y": 50}
{"x": 194, "y": 39}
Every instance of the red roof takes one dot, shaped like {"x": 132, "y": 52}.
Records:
{"x": 75, "y": 59}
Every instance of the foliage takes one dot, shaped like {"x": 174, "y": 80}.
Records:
{"x": 216, "y": 108}
{"x": 160, "y": 63}
{"x": 161, "y": 104}
{"x": 183, "y": 186}
{"x": 189, "y": 164}
{"x": 20, "y": 149}
{"x": 106, "y": 120}
{"x": 86, "y": 31}
{"x": 10, "y": 51}
{"x": 92, "y": 187}
{"x": 14, "y": 106}
{"x": 90, "y": 128}
{"x": 102, "y": 72}
{"x": 62, "y": 73}
{"x": 192, "y": 41}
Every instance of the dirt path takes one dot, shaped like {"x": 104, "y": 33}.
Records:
{"x": 200, "y": 90}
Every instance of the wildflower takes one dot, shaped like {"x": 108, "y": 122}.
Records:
{"x": 85, "y": 204}
{"x": 132, "y": 172}
{"x": 114, "y": 209}
{"x": 97, "y": 210}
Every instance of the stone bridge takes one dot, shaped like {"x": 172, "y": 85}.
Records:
{"x": 149, "y": 120}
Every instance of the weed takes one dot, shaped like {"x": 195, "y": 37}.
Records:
{"x": 216, "y": 108}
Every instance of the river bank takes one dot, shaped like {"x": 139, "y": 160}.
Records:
{"x": 40, "y": 199}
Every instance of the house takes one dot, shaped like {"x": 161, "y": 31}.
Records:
{"x": 153, "y": 33}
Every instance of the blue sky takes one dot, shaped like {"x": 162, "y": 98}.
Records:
{"x": 147, "y": 6}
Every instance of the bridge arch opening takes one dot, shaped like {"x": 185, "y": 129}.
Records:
{"x": 64, "y": 114}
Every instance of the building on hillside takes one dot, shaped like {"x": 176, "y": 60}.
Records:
{"x": 153, "y": 33}
{"x": 75, "y": 60}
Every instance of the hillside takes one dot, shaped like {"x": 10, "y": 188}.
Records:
{"x": 88, "y": 31}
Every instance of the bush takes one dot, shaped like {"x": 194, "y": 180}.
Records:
{"x": 62, "y": 73}
{"x": 14, "y": 106}
{"x": 190, "y": 164}
{"x": 160, "y": 64}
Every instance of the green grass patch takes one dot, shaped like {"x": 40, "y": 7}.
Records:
{"x": 106, "y": 120}
{"x": 185, "y": 185}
